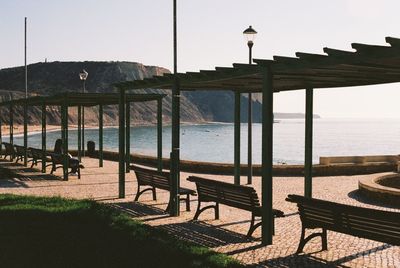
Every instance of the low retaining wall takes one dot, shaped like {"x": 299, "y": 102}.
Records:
{"x": 278, "y": 170}
{"x": 371, "y": 188}
{"x": 334, "y": 160}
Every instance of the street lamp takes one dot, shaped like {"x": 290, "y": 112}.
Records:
{"x": 250, "y": 35}
{"x": 83, "y": 76}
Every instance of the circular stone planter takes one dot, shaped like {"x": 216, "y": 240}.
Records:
{"x": 378, "y": 189}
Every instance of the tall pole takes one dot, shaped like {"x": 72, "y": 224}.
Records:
{"x": 26, "y": 68}
{"x": 236, "y": 134}
{"x": 83, "y": 121}
{"x": 121, "y": 142}
{"x": 250, "y": 128}
{"x": 80, "y": 133}
{"x": 44, "y": 137}
{"x": 308, "y": 143}
{"x": 174, "y": 202}
{"x": 128, "y": 137}
{"x": 159, "y": 134}
{"x": 25, "y": 134}
{"x": 101, "y": 135}
{"x": 267, "y": 156}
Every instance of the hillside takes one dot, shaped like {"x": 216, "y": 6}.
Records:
{"x": 57, "y": 77}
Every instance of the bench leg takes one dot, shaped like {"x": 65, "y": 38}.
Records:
{"x": 53, "y": 168}
{"x": 304, "y": 241}
{"x": 253, "y": 226}
{"x": 79, "y": 173}
{"x": 324, "y": 240}
{"x": 187, "y": 202}
{"x": 137, "y": 193}
{"x": 217, "y": 211}
{"x": 154, "y": 193}
{"x": 141, "y": 192}
{"x": 199, "y": 211}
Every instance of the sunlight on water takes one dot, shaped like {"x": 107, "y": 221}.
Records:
{"x": 214, "y": 142}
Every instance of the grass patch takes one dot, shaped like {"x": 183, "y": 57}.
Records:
{"x": 56, "y": 232}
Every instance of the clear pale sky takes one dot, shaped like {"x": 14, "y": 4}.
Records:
{"x": 210, "y": 34}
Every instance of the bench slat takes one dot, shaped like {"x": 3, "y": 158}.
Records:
{"x": 379, "y": 225}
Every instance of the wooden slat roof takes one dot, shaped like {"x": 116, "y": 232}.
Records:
{"x": 83, "y": 99}
{"x": 366, "y": 65}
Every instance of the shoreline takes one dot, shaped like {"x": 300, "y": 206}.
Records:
{"x": 37, "y": 129}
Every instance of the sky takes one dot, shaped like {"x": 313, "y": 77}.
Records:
{"x": 209, "y": 35}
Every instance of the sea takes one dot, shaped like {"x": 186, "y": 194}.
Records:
{"x": 213, "y": 142}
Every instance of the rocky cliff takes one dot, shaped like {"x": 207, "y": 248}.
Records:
{"x": 57, "y": 77}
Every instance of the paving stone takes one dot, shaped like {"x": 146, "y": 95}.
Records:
{"x": 227, "y": 234}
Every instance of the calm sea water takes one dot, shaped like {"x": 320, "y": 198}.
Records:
{"x": 214, "y": 142}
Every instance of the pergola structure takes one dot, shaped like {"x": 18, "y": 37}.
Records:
{"x": 72, "y": 99}
{"x": 367, "y": 65}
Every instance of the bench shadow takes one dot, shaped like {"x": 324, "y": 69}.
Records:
{"x": 356, "y": 195}
{"x": 308, "y": 260}
{"x": 204, "y": 234}
{"x": 137, "y": 209}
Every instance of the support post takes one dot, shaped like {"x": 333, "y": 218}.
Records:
{"x": 25, "y": 134}
{"x": 237, "y": 139}
{"x": 1, "y": 139}
{"x": 308, "y": 144}
{"x": 250, "y": 141}
{"x": 175, "y": 169}
{"x": 159, "y": 134}
{"x": 44, "y": 138}
{"x": 100, "y": 135}
{"x": 12, "y": 129}
{"x": 128, "y": 137}
{"x": 64, "y": 137}
{"x": 80, "y": 133}
{"x": 83, "y": 132}
{"x": 121, "y": 141}
{"x": 267, "y": 157}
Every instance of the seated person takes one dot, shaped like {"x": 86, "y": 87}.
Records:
{"x": 73, "y": 162}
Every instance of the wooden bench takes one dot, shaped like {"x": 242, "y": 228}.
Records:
{"x": 37, "y": 156}
{"x": 379, "y": 225}
{"x": 238, "y": 196}
{"x": 8, "y": 150}
{"x": 20, "y": 153}
{"x": 57, "y": 162}
{"x": 160, "y": 180}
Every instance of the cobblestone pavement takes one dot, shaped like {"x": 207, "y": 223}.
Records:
{"x": 227, "y": 234}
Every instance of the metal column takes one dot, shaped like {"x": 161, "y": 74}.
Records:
{"x": 1, "y": 139}
{"x": 25, "y": 134}
{"x": 83, "y": 131}
{"x": 12, "y": 129}
{"x": 64, "y": 137}
{"x": 250, "y": 141}
{"x": 308, "y": 144}
{"x": 80, "y": 133}
{"x": 237, "y": 139}
{"x": 175, "y": 136}
{"x": 159, "y": 134}
{"x": 128, "y": 137}
{"x": 121, "y": 141}
{"x": 43, "y": 138}
{"x": 267, "y": 157}
{"x": 175, "y": 169}
{"x": 100, "y": 135}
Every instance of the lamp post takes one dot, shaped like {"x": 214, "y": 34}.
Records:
{"x": 250, "y": 35}
{"x": 83, "y": 76}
